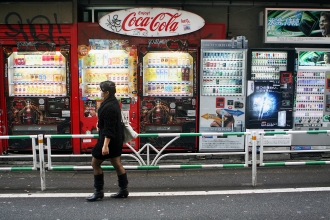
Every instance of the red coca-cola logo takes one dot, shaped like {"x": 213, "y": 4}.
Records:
{"x": 161, "y": 22}
{"x": 151, "y": 22}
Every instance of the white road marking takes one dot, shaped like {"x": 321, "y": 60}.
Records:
{"x": 181, "y": 193}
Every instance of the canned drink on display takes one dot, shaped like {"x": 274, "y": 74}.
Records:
{"x": 166, "y": 60}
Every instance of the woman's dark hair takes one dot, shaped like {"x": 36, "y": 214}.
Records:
{"x": 108, "y": 86}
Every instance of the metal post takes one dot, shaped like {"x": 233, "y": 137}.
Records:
{"x": 148, "y": 153}
{"x": 49, "y": 153}
{"x": 261, "y": 151}
{"x": 254, "y": 158}
{"x": 42, "y": 162}
{"x": 34, "y": 153}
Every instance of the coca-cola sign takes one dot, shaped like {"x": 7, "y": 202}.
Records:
{"x": 151, "y": 22}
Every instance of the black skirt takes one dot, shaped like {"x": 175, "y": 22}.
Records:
{"x": 115, "y": 150}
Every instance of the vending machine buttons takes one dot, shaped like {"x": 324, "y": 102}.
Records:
{"x": 220, "y": 102}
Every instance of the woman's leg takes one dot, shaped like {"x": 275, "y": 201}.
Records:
{"x": 96, "y": 164}
{"x": 116, "y": 163}
{"x": 98, "y": 180}
{"x": 122, "y": 178}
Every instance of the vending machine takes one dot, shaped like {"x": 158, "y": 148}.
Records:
{"x": 222, "y": 98}
{"x": 37, "y": 87}
{"x": 312, "y": 98}
{"x": 168, "y": 90}
{"x": 270, "y": 94}
{"x": 102, "y": 60}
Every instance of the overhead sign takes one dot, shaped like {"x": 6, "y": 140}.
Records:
{"x": 300, "y": 26}
{"x": 151, "y": 22}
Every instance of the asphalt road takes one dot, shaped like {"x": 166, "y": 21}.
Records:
{"x": 300, "y": 192}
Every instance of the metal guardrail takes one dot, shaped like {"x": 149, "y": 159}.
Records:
{"x": 148, "y": 164}
{"x": 312, "y": 132}
{"x": 33, "y": 156}
{"x": 137, "y": 154}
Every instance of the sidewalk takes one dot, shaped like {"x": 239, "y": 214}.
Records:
{"x": 169, "y": 180}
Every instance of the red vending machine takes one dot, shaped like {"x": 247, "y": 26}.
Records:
{"x": 37, "y": 87}
{"x": 168, "y": 90}
{"x": 102, "y": 60}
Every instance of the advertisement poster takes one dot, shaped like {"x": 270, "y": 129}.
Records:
{"x": 314, "y": 59}
{"x": 268, "y": 106}
{"x": 299, "y": 26}
{"x": 217, "y": 116}
{"x": 151, "y": 22}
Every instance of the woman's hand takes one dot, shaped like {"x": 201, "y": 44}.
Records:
{"x": 97, "y": 126}
{"x": 105, "y": 150}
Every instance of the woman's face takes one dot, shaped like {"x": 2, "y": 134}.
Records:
{"x": 325, "y": 26}
{"x": 104, "y": 95}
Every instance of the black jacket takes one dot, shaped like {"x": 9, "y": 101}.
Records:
{"x": 110, "y": 126}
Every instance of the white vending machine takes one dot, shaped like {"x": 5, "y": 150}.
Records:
{"x": 222, "y": 94}
{"x": 312, "y": 99}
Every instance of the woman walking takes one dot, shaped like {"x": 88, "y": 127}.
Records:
{"x": 110, "y": 142}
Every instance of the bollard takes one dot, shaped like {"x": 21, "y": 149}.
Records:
{"x": 42, "y": 162}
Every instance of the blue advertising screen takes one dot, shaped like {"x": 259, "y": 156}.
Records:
{"x": 267, "y": 108}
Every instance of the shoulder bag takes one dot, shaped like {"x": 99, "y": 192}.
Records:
{"x": 128, "y": 131}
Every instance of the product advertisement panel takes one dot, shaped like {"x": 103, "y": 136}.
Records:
{"x": 300, "y": 26}
{"x": 222, "y": 114}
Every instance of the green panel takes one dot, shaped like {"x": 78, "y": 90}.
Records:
{"x": 275, "y": 132}
{"x": 315, "y": 162}
{"x": 107, "y": 167}
{"x": 317, "y": 132}
{"x": 19, "y": 137}
{"x": 233, "y": 134}
{"x": 274, "y": 164}
{"x": 21, "y": 168}
{"x": 190, "y": 134}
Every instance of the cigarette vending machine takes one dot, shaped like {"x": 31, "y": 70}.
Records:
{"x": 222, "y": 99}
{"x": 270, "y": 93}
{"x": 168, "y": 90}
{"x": 102, "y": 60}
{"x": 312, "y": 98}
{"x": 37, "y": 86}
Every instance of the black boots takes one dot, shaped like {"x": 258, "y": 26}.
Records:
{"x": 122, "y": 183}
{"x": 98, "y": 185}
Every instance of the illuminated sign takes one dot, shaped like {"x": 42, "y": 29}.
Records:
{"x": 300, "y": 26}
{"x": 151, "y": 22}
